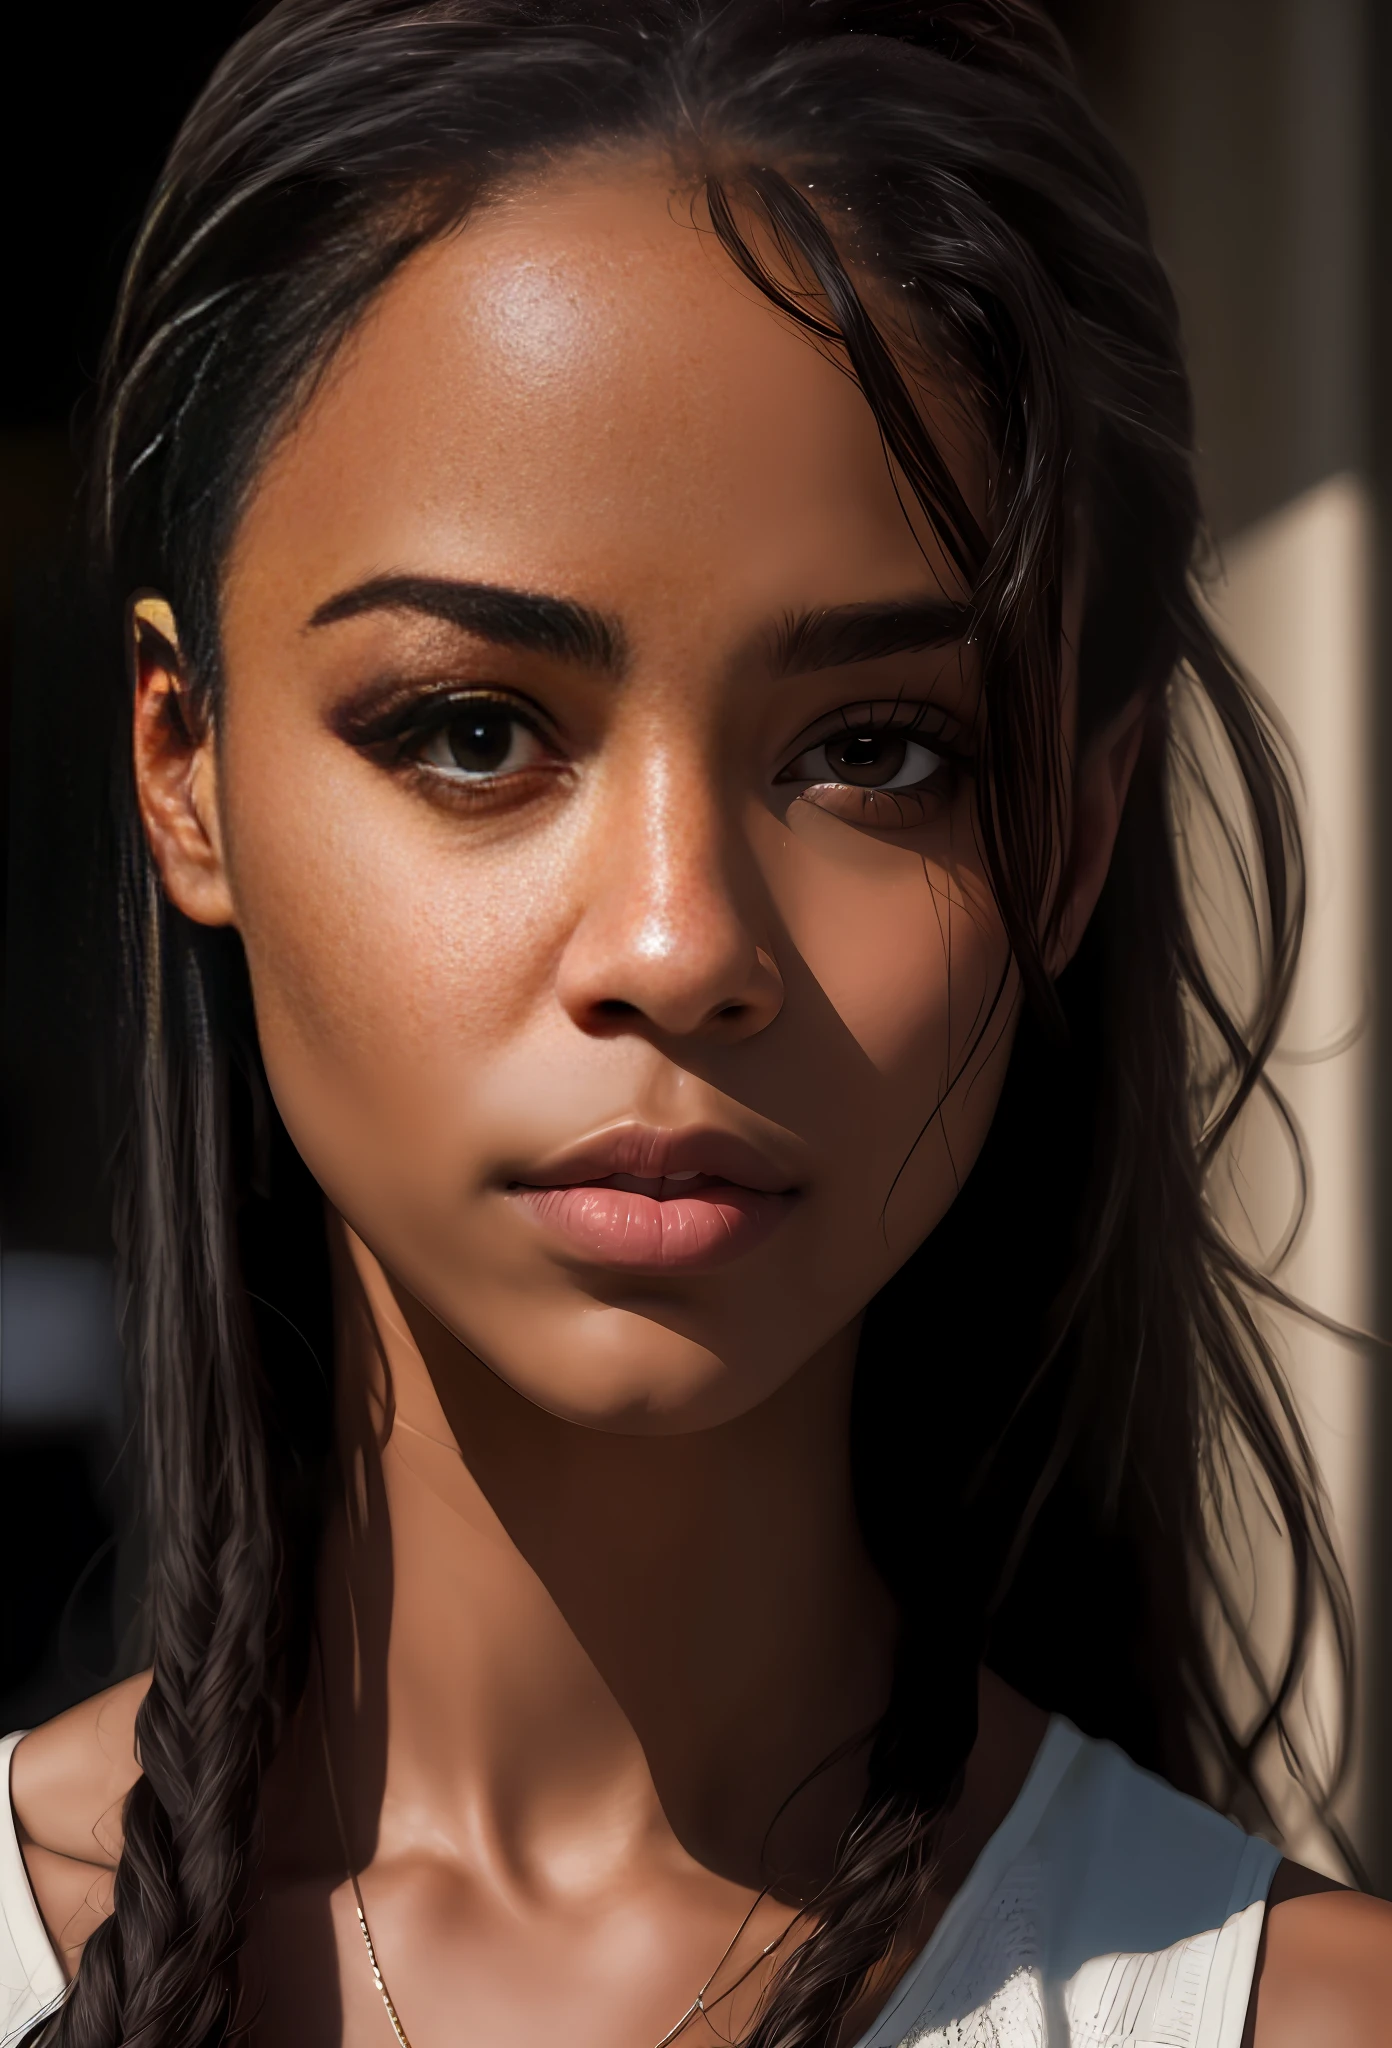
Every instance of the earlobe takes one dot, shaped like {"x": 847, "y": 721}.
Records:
{"x": 1099, "y": 797}
{"x": 175, "y": 764}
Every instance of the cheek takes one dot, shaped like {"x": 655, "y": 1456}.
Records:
{"x": 905, "y": 942}
{"x": 387, "y": 960}
{"x": 907, "y": 951}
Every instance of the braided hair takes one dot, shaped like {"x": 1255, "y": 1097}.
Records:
{"x": 1063, "y": 1373}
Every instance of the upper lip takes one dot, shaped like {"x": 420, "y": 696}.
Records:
{"x": 650, "y": 1154}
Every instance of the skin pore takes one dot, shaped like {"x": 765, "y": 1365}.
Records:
{"x": 591, "y": 790}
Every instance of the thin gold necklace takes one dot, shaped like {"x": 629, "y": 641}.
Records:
{"x": 697, "y": 2005}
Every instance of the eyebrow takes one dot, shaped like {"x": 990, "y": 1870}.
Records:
{"x": 832, "y": 637}
{"x": 847, "y": 633}
{"x": 507, "y": 618}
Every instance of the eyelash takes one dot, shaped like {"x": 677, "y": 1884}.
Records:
{"x": 400, "y": 736}
{"x": 401, "y": 733}
{"x": 921, "y": 726}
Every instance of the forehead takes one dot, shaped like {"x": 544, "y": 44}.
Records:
{"x": 579, "y": 391}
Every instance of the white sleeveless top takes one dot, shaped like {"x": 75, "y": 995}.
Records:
{"x": 1106, "y": 1911}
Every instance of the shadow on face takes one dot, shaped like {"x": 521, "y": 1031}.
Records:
{"x": 594, "y": 799}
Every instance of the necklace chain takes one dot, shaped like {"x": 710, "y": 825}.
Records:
{"x": 378, "y": 1979}
{"x": 697, "y": 2005}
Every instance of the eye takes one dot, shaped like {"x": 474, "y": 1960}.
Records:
{"x": 480, "y": 742}
{"x": 869, "y": 757}
{"x": 887, "y": 766}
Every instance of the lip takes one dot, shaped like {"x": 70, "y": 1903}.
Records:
{"x": 621, "y": 1198}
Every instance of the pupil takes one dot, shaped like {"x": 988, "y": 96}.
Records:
{"x": 479, "y": 742}
{"x": 869, "y": 757}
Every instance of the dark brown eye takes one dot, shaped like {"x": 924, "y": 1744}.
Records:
{"x": 868, "y": 758}
{"x": 480, "y": 741}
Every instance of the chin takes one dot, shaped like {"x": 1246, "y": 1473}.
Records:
{"x": 627, "y": 1370}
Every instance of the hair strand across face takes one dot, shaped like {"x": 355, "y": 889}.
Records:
{"x": 940, "y": 156}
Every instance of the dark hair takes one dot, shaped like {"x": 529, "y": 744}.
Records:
{"x": 1119, "y": 1377}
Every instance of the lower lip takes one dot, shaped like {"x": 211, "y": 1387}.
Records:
{"x": 635, "y": 1233}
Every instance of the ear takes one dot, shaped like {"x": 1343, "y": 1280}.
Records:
{"x": 175, "y": 758}
{"x": 1099, "y": 793}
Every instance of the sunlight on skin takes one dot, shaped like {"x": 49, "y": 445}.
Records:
{"x": 429, "y": 994}
{"x": 596, "y": 1598}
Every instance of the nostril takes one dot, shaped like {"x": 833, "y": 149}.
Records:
{"x": 614, "y": 1006}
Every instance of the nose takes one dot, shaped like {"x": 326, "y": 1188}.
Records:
{"x": 661, "y": 940}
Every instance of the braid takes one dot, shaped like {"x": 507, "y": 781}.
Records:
{"x": 885, "y": 1861}
{"x": 222, "y": 1511}
{"x": 1024, "y": 1452}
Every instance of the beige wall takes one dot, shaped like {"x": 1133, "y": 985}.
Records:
{"x": 1295, "y": 603}
{"x": 1257, "y": 129}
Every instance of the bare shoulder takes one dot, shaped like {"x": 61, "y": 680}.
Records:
{"x": 70, "y": 1776}
{"x": 1326, "y": 1969}
{"x": 68, "y": 1781}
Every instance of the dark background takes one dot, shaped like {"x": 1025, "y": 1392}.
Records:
{"x": 1258, "y": 128}
{"x": 90, "y": 115}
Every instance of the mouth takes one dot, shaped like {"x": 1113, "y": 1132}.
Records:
{"x": 639, "y": 1200}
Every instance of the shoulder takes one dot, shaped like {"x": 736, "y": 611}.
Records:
{"x": 68, "y": 1782}
{"x": 1326, "y": 1967}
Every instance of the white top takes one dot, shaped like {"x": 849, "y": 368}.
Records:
{"x": 31, "y": 1980}
{"x": 1106, "y": 1911}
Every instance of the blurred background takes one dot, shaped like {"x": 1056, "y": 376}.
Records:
{"x": 1258, "y": 130}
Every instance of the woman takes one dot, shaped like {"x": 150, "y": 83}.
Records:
{"x": 677, "y": 1328}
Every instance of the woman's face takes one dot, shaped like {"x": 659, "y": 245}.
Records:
{"x": 592, "y": 794}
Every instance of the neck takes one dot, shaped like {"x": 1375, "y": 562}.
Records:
{"x": 562, "y": 1643}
